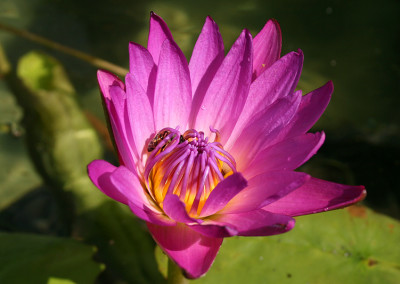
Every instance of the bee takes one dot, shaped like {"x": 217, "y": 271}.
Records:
{"x": 157, "y": 139}
{"x": 160, "y": 136}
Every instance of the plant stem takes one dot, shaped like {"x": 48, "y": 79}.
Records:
{"x": 175, "y": 275}
{"x": 100, "y": 63}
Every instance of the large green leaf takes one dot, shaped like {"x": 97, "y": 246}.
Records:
{"x": 17, "y": 175}
{"x": 124, "y": 245}
{"x": 38, "y": 259}
{"x": 353, "y": 245}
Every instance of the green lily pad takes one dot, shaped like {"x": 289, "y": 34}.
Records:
{"x": 38, "y": 259}
{"x": 125, "y": 247}
{"x": 353, "y": 245}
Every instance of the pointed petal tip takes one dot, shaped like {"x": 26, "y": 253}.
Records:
{"x": 362, "y": 195}
{"x": 282, "y": 228}
{"x": 156, "y": 17}
{"x": 210, "y": 19}
{"x": 321, "y": 137}
{"x": 330, "y": 85}
{"x": 107, "y": 79}
{"x": 131, "y": 43}
{"x": 104, "y": 74}
{"x": 275, "y": 23}
{"x": 299, "y": 54}
{"x": 295, "y": 58}
{"x": 247, "y": 33}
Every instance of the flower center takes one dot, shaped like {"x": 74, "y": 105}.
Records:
{"x": 186, "y": 165}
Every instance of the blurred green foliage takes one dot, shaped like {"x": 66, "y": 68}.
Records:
{"x": 28, "y": 258}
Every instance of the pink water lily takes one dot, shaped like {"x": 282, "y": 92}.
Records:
{"x": 208, "y": 149}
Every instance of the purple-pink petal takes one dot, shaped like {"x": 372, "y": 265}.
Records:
{"x": 213, "y": 229}
{"x": 278, "y": 81}
{"x": 142, "y": 66}
{"x": 122, "y": 132}
{"x": 310, "y": 110}
{"x": 172, "y": 97}
{"x": 267, "y": 47}
{"x": 107, "y": 79}
{"x": 99, "y": 172}
{"x": 148, "y": 215}
{"x": 256, "y": 223}
{"x": 140, "y": 114}
{"x": 208, "y": 49}
{"x": 228, "y": 91}
{"x": 129, "y": 185}
{"x": 223, "y": 193}
{"x": 263, "y": 129}
{"x": 317, "y": 196}
{"x": 192, "y": 251}
{"x": 158, "y": 33}
{"x": 286, "y": 155}
{"x": 264, "y": 189}
{"x": 175, "y": 209}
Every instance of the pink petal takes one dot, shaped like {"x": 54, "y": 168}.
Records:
{"x": 107, "y": 82}
{"x": 223, "y": 193}
{"x": 264, "y": 189}
{"x": 99, "y": 172}
{"x": 310, "y": 110}
{"x": 213, "y": 229}
{"x": 128, "y": 184}
{"x": 227, "y": 93}
{"x": 158, "y": 33}
{"x": 192, "y": 251}
{"x": 209, "y": 48}
{"x": 286, "y": 155}
{"x": 107, "y": 79}
{"x": 175, "y": 209}
{"x": 172, "y": 98}
{"x": 317, "y": 196}
{"x": 267, "y": 47}
{"x": 254, "y": 223}
{"x": 142, "y": 66}
{"x": 257, "y": 223}
{"x": 140, "y": 114}
{"x": 148, "y": 215}
{"x": 121, "y": 130}
{"x": 276, "y": 82}
{"x": 263, "y": 129}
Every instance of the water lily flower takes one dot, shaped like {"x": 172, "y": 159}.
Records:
{"x": 208, "y": 149}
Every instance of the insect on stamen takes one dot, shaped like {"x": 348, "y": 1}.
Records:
{"x": 160, "y": 136}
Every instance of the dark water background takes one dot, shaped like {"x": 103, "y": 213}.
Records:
{"x": 353, "y": 43}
